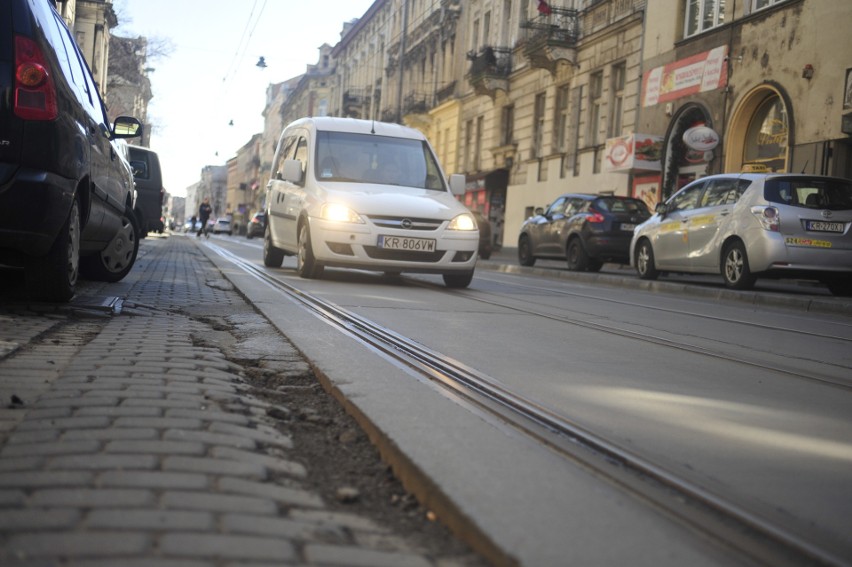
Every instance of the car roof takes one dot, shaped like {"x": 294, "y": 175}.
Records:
{"x": 592, "y": 196}
{"x": 358, "y": 126}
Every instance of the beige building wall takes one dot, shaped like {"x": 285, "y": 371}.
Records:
{"x": 93, "y": 21}
{"x": 559, "y": 148}
{"x": 790, "y": 56}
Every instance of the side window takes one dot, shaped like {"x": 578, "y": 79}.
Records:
{"x": 284, "y": 152}
{"x": 687, "y": 199}
{"x": 575, "y": 206}
{"x": 557, "y": 207}
{"x": 720, "y": 192}
{"x": 302, "y": 154}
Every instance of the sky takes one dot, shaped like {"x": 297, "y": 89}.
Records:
{"x": 210, "y": 77}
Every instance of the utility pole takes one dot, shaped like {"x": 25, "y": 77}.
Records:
{"x": 402, "y": 58}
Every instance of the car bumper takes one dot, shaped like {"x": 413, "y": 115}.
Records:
{"x": 33, "y": 208}
{"x": 610, "y": 248}
{"x": 355, "y": 246}
{"x": 770, "y": 252}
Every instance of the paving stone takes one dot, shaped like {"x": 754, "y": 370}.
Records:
{"x": 103, "y": 462}
{"x": 77, "y": 544}
{"x": 158, "y": 520}
{"x": 158, "y": 447}
{"x": 93, "y": 497}
{"x": 348, "y": 556}
{"x": 158, "y": 422}
{"x": 267, "y": 436}
{"x": 282, "y": 527}
{"x": 228, "y": 546}
{"x": 122, "y": 435}
{"x": 38, "y": 519}
{"x": 153, "y": 479}
{"x": 269, "y": 491}
{"x": 271, "y": 462}
{"x": 209, "y": 438}
{"x": 209, "y": 415}
{"x": 51, "y": 448}
{"x": 215, "y": 502}
{"x": 215, "y": 466}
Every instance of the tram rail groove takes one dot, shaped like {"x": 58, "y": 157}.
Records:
{"x": 729, "y": 524}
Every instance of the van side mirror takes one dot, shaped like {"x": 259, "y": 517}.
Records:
{"x": 457, "y": 184}
{"x": 292, "y": 171}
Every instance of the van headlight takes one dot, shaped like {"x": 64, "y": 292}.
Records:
{"x": 340, "y": 213}
{"x": 464, "y": 221}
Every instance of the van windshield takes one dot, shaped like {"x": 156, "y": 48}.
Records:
{"x": 367, "y": 158}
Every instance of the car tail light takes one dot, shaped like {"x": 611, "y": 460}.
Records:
{"x": 35, "y": 93}
{"x": 595, "y": 217}
{"x": 769, "y": 217}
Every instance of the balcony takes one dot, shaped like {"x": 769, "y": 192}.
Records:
{"x": 415, "y": 103}
{"x": 489, "y": 70}
{"x": 445, "y": 93}
{"x": 354, "y": 102}
{"x": 551, "y": 38}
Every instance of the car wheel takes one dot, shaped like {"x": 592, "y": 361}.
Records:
{"x": 735, "y": 268}
{"x": 525, "y": 257}
{"x": 458, "y": 281}
{"x": 54, "y": 276}
{"x": 116, "y": 260}
{"x": 578, "y": 260}
{"x": 306, "y": 265}
{"x": 841, "y": 287}
{"x": 645, "y": 261}
{"x": 272, "y": 257}
{"x": 485, "y": 255}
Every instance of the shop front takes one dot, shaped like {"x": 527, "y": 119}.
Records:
{"x": 486, "y": 193}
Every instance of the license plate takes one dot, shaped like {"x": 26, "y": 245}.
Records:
{"x": 626, "y": 226}
{"x": 822, "y": 226}
{"x": 404, "y": 243}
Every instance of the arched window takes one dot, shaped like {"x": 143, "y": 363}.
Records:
{"x": 767, "y": 135}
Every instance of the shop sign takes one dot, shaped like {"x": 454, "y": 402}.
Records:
{"x": 700, "y": 73}
{"x": 701, "y": 138}
{"x": 633, "y": 152}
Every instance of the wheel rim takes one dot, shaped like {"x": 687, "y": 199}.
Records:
{"x": 572, "y": 254}
{"x": 74, "y": 245}
{"x": 734, "y": 265}
{"x": 118, "y": 255}
{"x": 642, "y": 259}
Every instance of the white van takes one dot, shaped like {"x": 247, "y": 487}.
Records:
{"x": 360, "y": 194}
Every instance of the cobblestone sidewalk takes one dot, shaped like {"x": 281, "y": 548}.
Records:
{"x": 127, "y": 437}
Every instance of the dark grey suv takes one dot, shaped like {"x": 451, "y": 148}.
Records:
{"x": 66, "y": 188}
{"x": 584, "y": 230}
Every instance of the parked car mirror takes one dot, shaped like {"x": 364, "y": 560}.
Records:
{"x": 539, "y": 211}
{"x": 126, "y": 127}
{"x": 661, "y": 208}
{"x": 292, "y": 171}
{"x": 457, "y": 183}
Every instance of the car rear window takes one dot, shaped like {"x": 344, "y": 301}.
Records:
{"x": 810, "y": 192}
{"x": 616, "y": 205}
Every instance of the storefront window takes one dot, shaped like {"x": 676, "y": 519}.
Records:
{"x": 767, "y": 135}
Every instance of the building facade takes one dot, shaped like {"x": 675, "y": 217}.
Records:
{"x": 531, "y": 99}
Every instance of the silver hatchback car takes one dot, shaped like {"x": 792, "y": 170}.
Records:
{"x": 752, "y": 225}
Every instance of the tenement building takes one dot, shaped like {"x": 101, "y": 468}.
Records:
{"x": 533, "y": 98}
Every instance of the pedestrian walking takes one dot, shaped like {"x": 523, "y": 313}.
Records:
{"x": 204, "y": 212}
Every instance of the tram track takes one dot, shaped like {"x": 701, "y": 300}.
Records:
{"x": 761, "y": 535}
